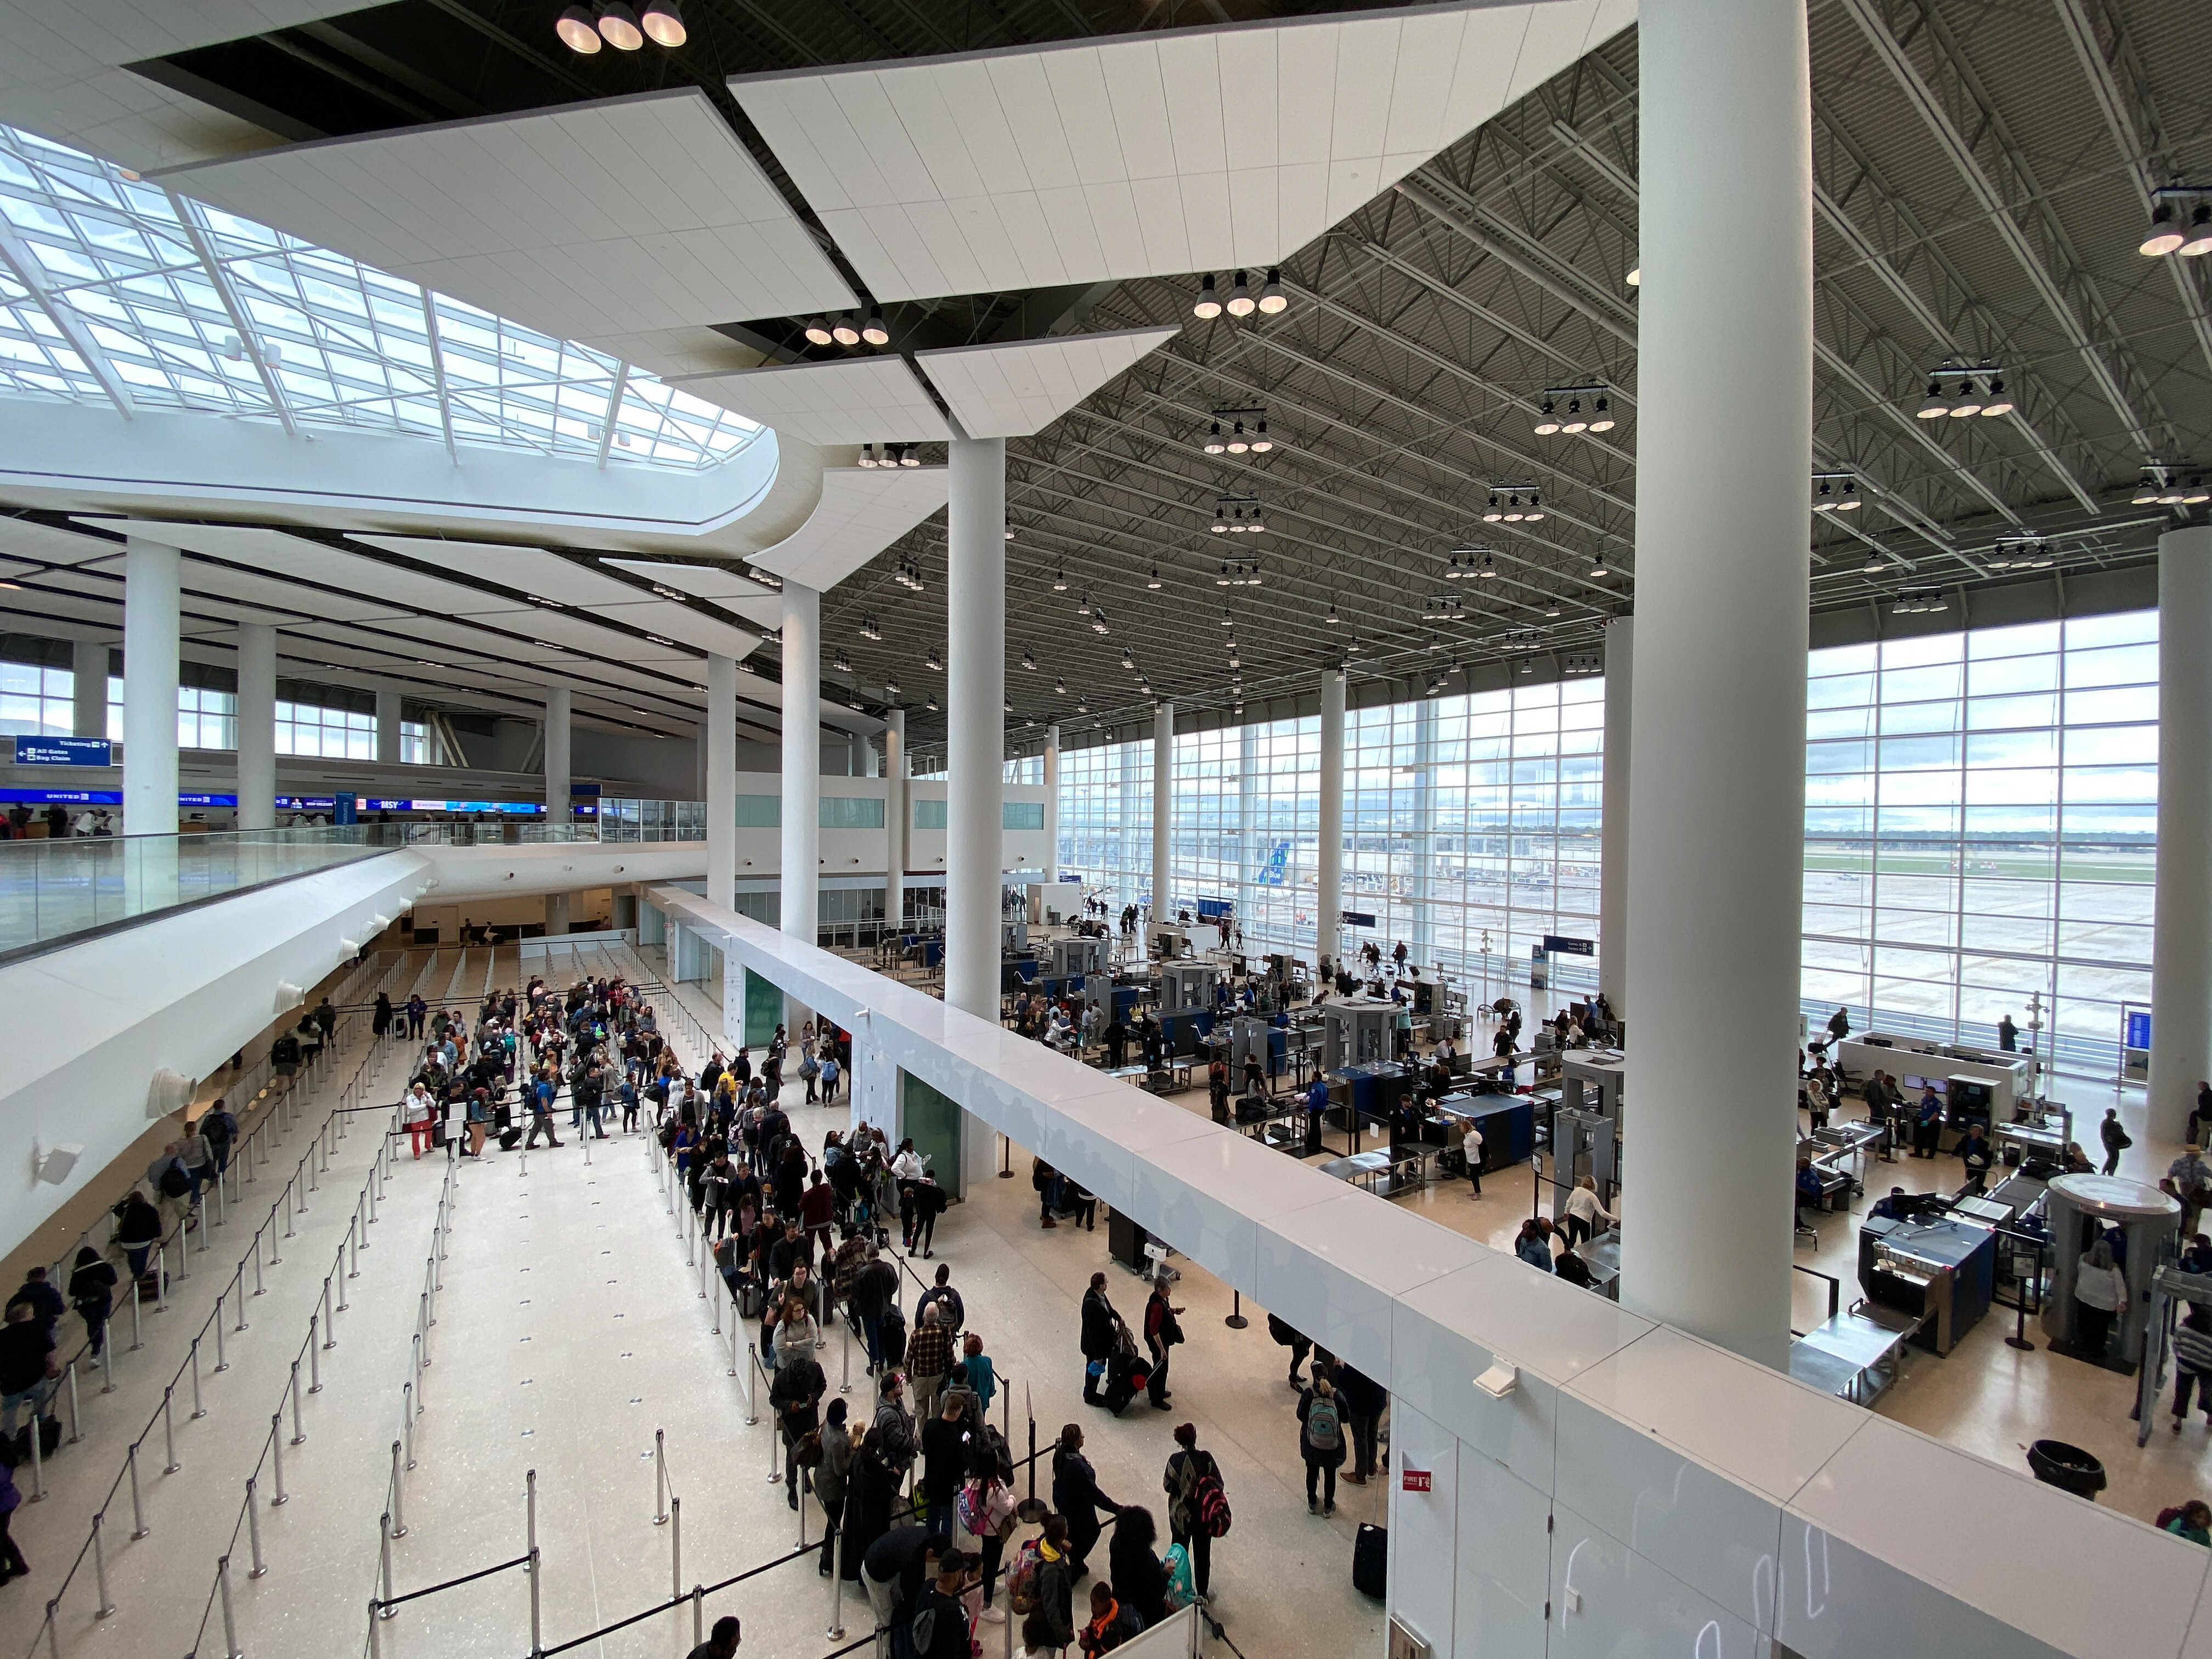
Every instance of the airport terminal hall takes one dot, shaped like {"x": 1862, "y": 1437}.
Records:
{"x": 1007, "y": 828}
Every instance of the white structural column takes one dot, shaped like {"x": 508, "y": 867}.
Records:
{"x": 88, "y": 689}
{"x": 387, "y": 726}
{"x": 1329, "y": 852}
{"x": 2181, "y": 943}
{"x": 1612, "y": 819}
{"x": 801, "y": 865}
{"x": 150, "y": 689}
{"x": 720, "y": 802}
{"x": 557, "y": 756}
{"x": 897, "y": 814}
{"x": 1162, "y": 815}
{"x": 1716, "y": 797}
{"x": 976, "y": 723}
{"x": 1052, "y": 812}
{"x": 257, "y": 726}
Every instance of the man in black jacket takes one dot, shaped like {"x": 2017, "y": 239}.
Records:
{"x": 796, "y": 1395}
{"x": 1101, "y": 1327}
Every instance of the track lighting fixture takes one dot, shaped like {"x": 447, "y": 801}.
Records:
{"x": 841, "y": 663}
{"x": 1238, "y": 573}
{"x": 1098, "y": 619}
{"x": 817, "y": 331}
{"x": 1273, "y": 300}
{"x": 867, "y": 455}
{"x": 1127, "y": 661}
{"x": 890, "y": 688}
{"x": 1060, "y": 688}
{"x": 1576, "y": 408}
{"x": 1464, "y": 562}
{"x": 1513, "y": 504}
{"x": 1443, "y": 609}
{"x": 1875, "y": 566}
{"x": 907, "y": 575}
{"x": 1599, "y": 570}
{"x": 1060, "y": 579}
{"x": 1835, "y": 492}
{"x": 873, "y": 330}
{"x": 1552, "y": 607}
{"x": 1083, "y": 605}
{"x": 1332, "y": 619}
{"x": 1961, "y": 392}
{"x": 934, "y": 661}
{"x": 930, "y": 702}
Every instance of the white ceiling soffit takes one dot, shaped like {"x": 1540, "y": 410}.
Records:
{"x": 1016, "y": 389}
{"x": 842, "y": 400}
{"x": 1145, "y": 155}
{"x": 643, "y": 211}
{"x": 718, "y": 584}
{"x": 863, "y": 510}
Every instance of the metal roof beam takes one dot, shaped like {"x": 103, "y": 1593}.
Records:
{"x": 187, "y": 212}
{"x": 24, "y": 264}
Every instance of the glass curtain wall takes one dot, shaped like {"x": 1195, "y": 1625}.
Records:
{"x": 1979, "y": 835}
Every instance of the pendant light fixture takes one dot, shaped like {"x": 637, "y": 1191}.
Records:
{"x": 1241, "y": 303}
{"x": 577, "y": 30}
{"x": 817, "y": 331}
{"x": 618, "y": 26}
{"x": 873, "y": 330}
{"x": 1207, "y": 308}
{"x": 663, "y": 22}
{"x": 844, "y": 331}
{"x": 1153, "y": 581}
{"x": 1273, "y": 300}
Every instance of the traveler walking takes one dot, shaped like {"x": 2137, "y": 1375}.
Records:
{"x": 1321, "y": 1442}
{"x": 1075, "y": 1495}
{"x": 1198, "y": 1505}
{"x": 1102, "y": 1329}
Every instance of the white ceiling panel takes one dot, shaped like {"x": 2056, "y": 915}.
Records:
{"x": 843, "y": 400}
{"x": 41, "y": 543}
{"x": 526, "y": 570}
{"x": 644, "y": 210}
{"x": 1144, "y": 156}
{"x": 580, "y": 634}
{"x": 288, "y": 556}
{"x": 680, "y": 622}
{"x": 762, "y": 606}
{"x": 1017, "y": 389}
{"x": 862, "y": 511}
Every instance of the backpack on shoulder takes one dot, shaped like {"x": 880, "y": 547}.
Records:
{"x": 1323, "y": 1431}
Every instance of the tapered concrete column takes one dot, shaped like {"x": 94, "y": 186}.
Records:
{"x": 720, "y": 734}
{"x": 257, "y": 726}
{"x": 1163, "y": 814}
{"x": 1051, "y": 810}
{"x": 1612, "y": 822}
{"x": 557, "y": 756}
{"x": 801, "y": 864}
{"x": 150, "y": 689}
{"x": 2181, "y": 943}
{"x": 1328, "y": 854}
{"x": 1716, "y": 797}
{"x": 387, "y": 726}
{"x": 88, "y": 689}
{"x": 976, "y": 701}
{"x": 896, "y": 815}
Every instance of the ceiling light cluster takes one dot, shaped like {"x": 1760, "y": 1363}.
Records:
{"x": 1513, "y": 504}
{"x": 872, "y": 629}
{"x": 1242, "y": 301}
{"x": 1581, "y": 663}
{"x": 1575, "y": 409}
{"x": 934, "y": 661}
{"x": 1247, "y": 433}
{"x": 1468, "y": 563}
{"x": 907, "y": 575}
{"x": 1029, "y": 659}
{"x": 1916, "y": 601}
{"x": 1835, "y": 492}
{"x": 1443, "y": 609}
{"x": 1958, "y": 393}
{"x": 2170, "y": 484}
{"x": 1153, "y": 581}
{"x": 2169, "y": 232}
{"x": 1237, "y": 514}
{"x": 840, "y": 663}
{"x": 616, "y": 24}
{"x": 890, "y": 455}
{"x": 2020, "y": 553}
{"x": 1239, "y": 573}
{"x": 844, "y": 331}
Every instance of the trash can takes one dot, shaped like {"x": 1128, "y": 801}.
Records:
{"x": 2068, "y": 1468}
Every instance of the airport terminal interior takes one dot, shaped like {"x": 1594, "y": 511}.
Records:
{"x": 1326, "y": 827}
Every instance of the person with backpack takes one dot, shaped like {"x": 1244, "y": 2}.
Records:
{"x": 1075, "y": 1495}
{"x": 1140, "y": 1582}
{"x": 947, "y": 1444}
{"x": 1112, "y": 1623}
{"x": 91, "y": 1293}
{"x": 1321, "y": 1442}
{"x": 1362, "y": 1402}
{"x": 985, "y": 1508}
{"x": 27, "y": 1366}
{"x": 221, "y": 1129}
{"x": 1043, "y": 1586}
{"x": 1198, "y": 1505}
{"x": 829, "y": 1079}
{"x": 936, "y": 1624}
{"x": 796, "y": 1395}
{"x": 138, "y": 1229}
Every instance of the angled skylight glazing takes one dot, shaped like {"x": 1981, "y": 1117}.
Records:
{"x": 113, "y": 290}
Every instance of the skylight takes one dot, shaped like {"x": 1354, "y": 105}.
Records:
{"x": 113, "y": 290}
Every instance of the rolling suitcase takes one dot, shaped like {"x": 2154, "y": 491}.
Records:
{"x": 1126, "y": 1376}
{"x": 509, "y": 1138}
{"x": 1370, "y": 1553}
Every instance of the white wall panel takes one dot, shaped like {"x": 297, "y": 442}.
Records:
{"x": 1630, "y": 1608}
{"x": 1504, "y": 1567}
{"x": 1423, "y": 1585}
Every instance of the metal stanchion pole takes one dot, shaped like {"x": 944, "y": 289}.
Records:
{"x": 161, "y": 1276}
{"x": 399, "y": 1486}
{"x": 676, "y": 1547}
{"x": 805, "y": 1490}
{"x": 137, "y": 1320}
{"x": 199, "y": 1407}
{"x": 253, "y": 1526}
{"x": 77, "y": 1432}
{"x": 407, "y": 1420}
{"x": 537, "y": 1644}
{"x": 530, "y": 1518}
{"x": 314, "y": 1356}
{"x": 38, "y": 1456}
{"x": 353, "y": 1243}
{"x": 230, "y": 1648}
{"x": 836, "y": 1548}
{"x": 752, "y": 1364}
{"x": 222, "y": 1359}
{"x": 383, "y": 1564}
{"x": 660, "y": 1481}
{"x": 99, "y": 1567}
{"x": 287, "y": 1202}
{"x": 277, "y": 1459}
{"x": 698, "y": 1614}
{"x": 845, "y": 1357}
{"x": 299, "y": 1429}
{"x": 138, "y": 1527}
{"x": 329, "y": 1325}
{"x": 260, "y": 1288}
{"x": 168, "y": 1434}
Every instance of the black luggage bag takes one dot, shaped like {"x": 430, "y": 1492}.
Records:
{"x": 1370, "y": 1553}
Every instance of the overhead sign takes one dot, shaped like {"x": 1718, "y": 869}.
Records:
{"x": 1573, "y": 947}
{"x": 1357, "y": 918}
{"x": 64, "y": 752}
{"x": 63, "y": 797}
{"x": 1416, "y": 1479}
{"x": 2138, "y": 1034}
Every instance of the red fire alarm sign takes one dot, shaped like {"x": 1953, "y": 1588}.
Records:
{"x": 1416, "y": 1479}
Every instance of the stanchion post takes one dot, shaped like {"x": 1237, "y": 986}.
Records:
{"x": 100, "y": 1566}
{"x": 38, "y": 1458}
{"x": 138, "y": 1527}
{"x": 314, "y": 1357}
{"x": 676, "y": 1547}
{"x": 76, "y": 1431}
{"x": 299, "y": 1429}
{"x": 253, "y": 1526}
{"x": 845, "y": 1358}
{"x": 407, "y": 1420}
{"x": 752, "y": 1364}
{"x": 222, "y": 1359}
{"x": 1236, "y": 1321}
{"x": 169, "y": 1435}
{"x": 659, "y": 1479}
{"x": 199, "y": 1407}
{"x": 536, "y": 1643}
{"x": 230, "y": 1648}
{"x": 137, "y": 1318}
{"x": 161, "y": 1276}
{"x": 836, "y": 1548}
{"x": 698, "y": 1614}
{"x": 277, "y": 1459}
{"x": 330, "y": 1324}
{"x": 398, "y": 1493}
{"x": 384, "y": 1565}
